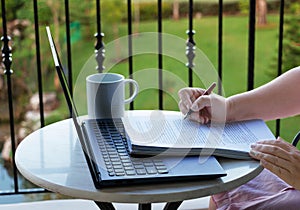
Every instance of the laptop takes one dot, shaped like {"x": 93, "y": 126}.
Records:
{"x": 105, "y": 146}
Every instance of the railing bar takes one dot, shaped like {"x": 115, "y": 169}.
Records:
{"x": 4, "y": 18}
{"x": 279, "y": 59}
{"x": 130, "y": 60}
{"x": 69, "y": 51}
{"x": 220, "y": 47}
{"x": 7, "y": 60}
{"x": 160, "y": 58}
{"x": 190, "y": 49}
{"x": 25, "y": 191}
{"x": 191, "y": 12}
{"x": 38, "y": 60}
{"x": 99, "y": 47}
{"x": 98, "y": 16}
{"x": 251, "y": 63}
{"x": 251, "y": 44}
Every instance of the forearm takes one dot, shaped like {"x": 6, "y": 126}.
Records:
{"x": 277, "y": 99}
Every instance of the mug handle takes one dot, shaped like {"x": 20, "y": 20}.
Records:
{"x": 135, "y": 92}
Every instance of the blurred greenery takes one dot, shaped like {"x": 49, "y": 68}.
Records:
{"x": 235, "y": 48}
{"x": 235, "y": 59}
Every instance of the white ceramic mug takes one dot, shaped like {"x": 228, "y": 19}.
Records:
{"x": 106, "y": 95}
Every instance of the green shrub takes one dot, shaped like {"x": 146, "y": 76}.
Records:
{"x": 291, "y": 42}
{"x": 209, "y": 8}
{"x": 244, "y": 7}
{"x": 148, "y": 10}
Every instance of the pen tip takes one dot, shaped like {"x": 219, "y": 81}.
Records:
{"x": 187, "y": 114}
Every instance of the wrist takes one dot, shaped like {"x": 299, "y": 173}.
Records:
{"x": 229, "y": 104}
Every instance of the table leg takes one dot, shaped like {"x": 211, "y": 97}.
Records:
{"x": 105, "y": 205}
{"x": 142, "y": 206}
{"x": 172, "y": 205}
{"x": 145, "y": 206}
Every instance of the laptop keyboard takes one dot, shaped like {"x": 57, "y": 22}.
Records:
{"x": 112, "y": 142}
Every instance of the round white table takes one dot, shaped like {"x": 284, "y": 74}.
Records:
{"x": 51, "y": 158}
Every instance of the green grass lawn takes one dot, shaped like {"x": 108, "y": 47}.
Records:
{"x": 235, "y": 59}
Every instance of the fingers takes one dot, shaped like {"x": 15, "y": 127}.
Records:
{"x": 200, "y": 113}
{"x": 183, "y": 106}
{"x": 279, "y": 142}
{"x": 187, "y": 97}
{"x": 205, "y": 109}
{"x": 280, "y": 167}
{"x": 203, "y": 116}
{"x": 279, "y": 157}
{"x": 289, "y": 171}
{"x": 276, "y": 148}
{"x": 280, "y": 171}
{"x": 185, "y": 101}
{"x": 277, "y": 165}
{"x": 270, "y": 160}
{"x": 188, "y": 93}
{"x": 201, "y": 102}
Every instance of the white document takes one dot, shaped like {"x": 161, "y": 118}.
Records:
{"x": 173, "y": 132}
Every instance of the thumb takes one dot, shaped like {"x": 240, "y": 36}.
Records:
{"x": 201, "y": 102}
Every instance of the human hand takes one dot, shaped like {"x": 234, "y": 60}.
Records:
{"x": 205, "y": 108}
{"x": 279, "y": 157}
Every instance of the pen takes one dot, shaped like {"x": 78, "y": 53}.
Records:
{"x": 206, "y": 92}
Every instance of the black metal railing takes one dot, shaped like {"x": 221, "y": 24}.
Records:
{"x": 7, "y": 61}
{"x": 100, "y": 56}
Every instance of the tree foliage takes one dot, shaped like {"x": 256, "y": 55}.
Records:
{"x": 291, "y": 41}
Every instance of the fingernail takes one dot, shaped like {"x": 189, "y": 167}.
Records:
{"x": 262, "y": 162}
{"x": 253, "y": 145}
